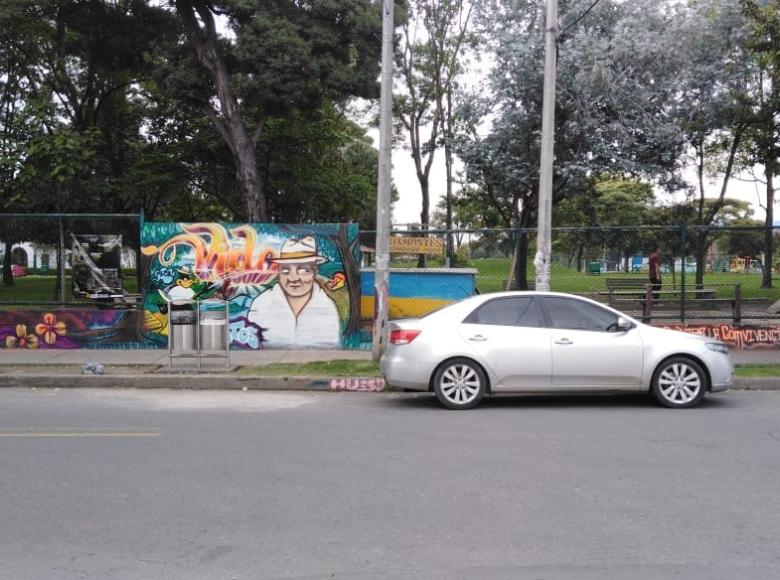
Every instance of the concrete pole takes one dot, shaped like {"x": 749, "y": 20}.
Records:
{"x": 382, "y": 275}
{"x": 543, "y": 237}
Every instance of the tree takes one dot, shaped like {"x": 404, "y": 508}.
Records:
{"x": 285, "y": 56}
{"x": 22, "y": 110}
{"x": 764, "y": 103}
{"x": 430, "y": 60}
{"x": 712, "y": 36}
{"x": 319, "y": 168}
{"x": 621, "y": 207}
{"x": 616, "y": 70}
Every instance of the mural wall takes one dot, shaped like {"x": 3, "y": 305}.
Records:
{"x": 288, "y": 286}
{"x": 69, "y": 328}
{"x": 414, "y": 292}
{"x": 748, "y": 337}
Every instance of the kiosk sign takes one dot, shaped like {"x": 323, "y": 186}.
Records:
{"x": 416, "y": 245}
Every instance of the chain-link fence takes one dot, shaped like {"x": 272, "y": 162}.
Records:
{"x": 61, "y": 259}
{"x": 707, "y": 273}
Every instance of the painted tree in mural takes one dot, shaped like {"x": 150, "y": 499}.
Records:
{"x": 283, "y": 57}
{"x": 347, "y": 248}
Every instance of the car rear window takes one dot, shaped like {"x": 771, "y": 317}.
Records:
{"x": 511, "y": 311}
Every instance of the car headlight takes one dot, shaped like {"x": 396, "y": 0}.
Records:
{"x": 718, "y": 347}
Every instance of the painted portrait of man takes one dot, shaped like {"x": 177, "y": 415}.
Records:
{"x": 296, "y": 312}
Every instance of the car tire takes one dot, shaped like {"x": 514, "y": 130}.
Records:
{"x": 679, "y": 383}
{"x": 459, "y": 384}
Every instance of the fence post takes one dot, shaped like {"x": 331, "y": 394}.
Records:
{"x": 61, "y": 262}
{"x": 683, "y": 228}
{"x": 449, "y": 249}
{"x": 516, "y": 273}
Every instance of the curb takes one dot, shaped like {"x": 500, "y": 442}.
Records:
{"x": 240, "y": 383}
{"x": 191, "y": 382}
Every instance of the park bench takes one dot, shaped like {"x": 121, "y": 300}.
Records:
{"x": 623, "y": 283}
{"x": 696, "y": 299}
{"x": 511, "y": 284}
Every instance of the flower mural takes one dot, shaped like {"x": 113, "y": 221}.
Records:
{"x": 22, "y": 339}
{"x": 50, "y": 328}
{"x": 70, "y": 328}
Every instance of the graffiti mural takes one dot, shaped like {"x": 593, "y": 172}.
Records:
{"x": 415, "y": 292}
{"x": 363, "y": 384}
{"x": 288, "y": 286}
{"x": 748, "y": 337}
{"x": 68, "y": 328}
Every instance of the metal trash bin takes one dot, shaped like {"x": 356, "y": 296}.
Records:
{"x": 182, "y": 327}
{"x": 595, "y": 268}
{"x": 212, "y": 329}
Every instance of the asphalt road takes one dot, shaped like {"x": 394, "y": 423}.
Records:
{"x": 215, "y": 485}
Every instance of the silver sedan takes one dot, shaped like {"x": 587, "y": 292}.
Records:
{"x": 513, "y": 342}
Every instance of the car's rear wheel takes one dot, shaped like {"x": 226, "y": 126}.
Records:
{"x": 459, "y": 383}
{"x": 679, "y": 383}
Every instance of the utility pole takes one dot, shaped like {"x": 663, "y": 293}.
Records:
{"x": 382, "y": 273}
{"x": 543, "y": 236}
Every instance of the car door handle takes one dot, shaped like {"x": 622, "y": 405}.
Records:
{"x": 563, "y": 341}
{"x": 478, "y": 338}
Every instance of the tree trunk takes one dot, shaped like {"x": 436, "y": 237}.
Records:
{"x": 521, "y": 265}
{"x": 422, "y": 259}
{"x": 448, "y": 167}
{"x": 766, "y": 281}
{"x": 700, "y": 256}
{"x": 228, "y": 122}
{"x": 8, "y": 276}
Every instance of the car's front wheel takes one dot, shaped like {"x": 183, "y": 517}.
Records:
{"x": 679, "y": 383}
{"x": 460, "y": 383}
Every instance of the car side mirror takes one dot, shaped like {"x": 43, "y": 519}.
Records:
{"x": 624, "y": 324}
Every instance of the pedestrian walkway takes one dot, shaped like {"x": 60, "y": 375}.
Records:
{"x": 126, "y": 357}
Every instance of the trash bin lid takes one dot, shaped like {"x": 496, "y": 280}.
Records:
{"x": 184, "y": 318}
{"x": 212, "y": 314}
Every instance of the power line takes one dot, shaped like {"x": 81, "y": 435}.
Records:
{"x": 580, "y": 17}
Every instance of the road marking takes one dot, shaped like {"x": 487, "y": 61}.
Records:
{"x": 79, "y": 434}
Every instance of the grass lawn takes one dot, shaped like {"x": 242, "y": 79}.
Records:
{"x": 491, "y": 277}
{"x": 493, "y": 273}
{"x": 333, "y": 368}
{"x": 364, "y": 368}
{"x": 757, "y": 370}
{"x": 41, "y": 289}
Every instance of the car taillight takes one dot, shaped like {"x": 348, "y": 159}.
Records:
{"x": 403, "y": 336}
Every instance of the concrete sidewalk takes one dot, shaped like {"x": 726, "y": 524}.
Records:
{"x": 242, "y": 358}
{"x": 138, "y": 368}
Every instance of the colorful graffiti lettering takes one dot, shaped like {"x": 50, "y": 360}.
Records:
{"x": 245, "y": 334}
{"x": 288, "y": 286}
{"x": 737, "y": 336}
{"x": 363, "y": 384}
{"x": 220, "y": 253}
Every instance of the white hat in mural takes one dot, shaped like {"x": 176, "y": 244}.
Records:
{"x": 299, "y": 251}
